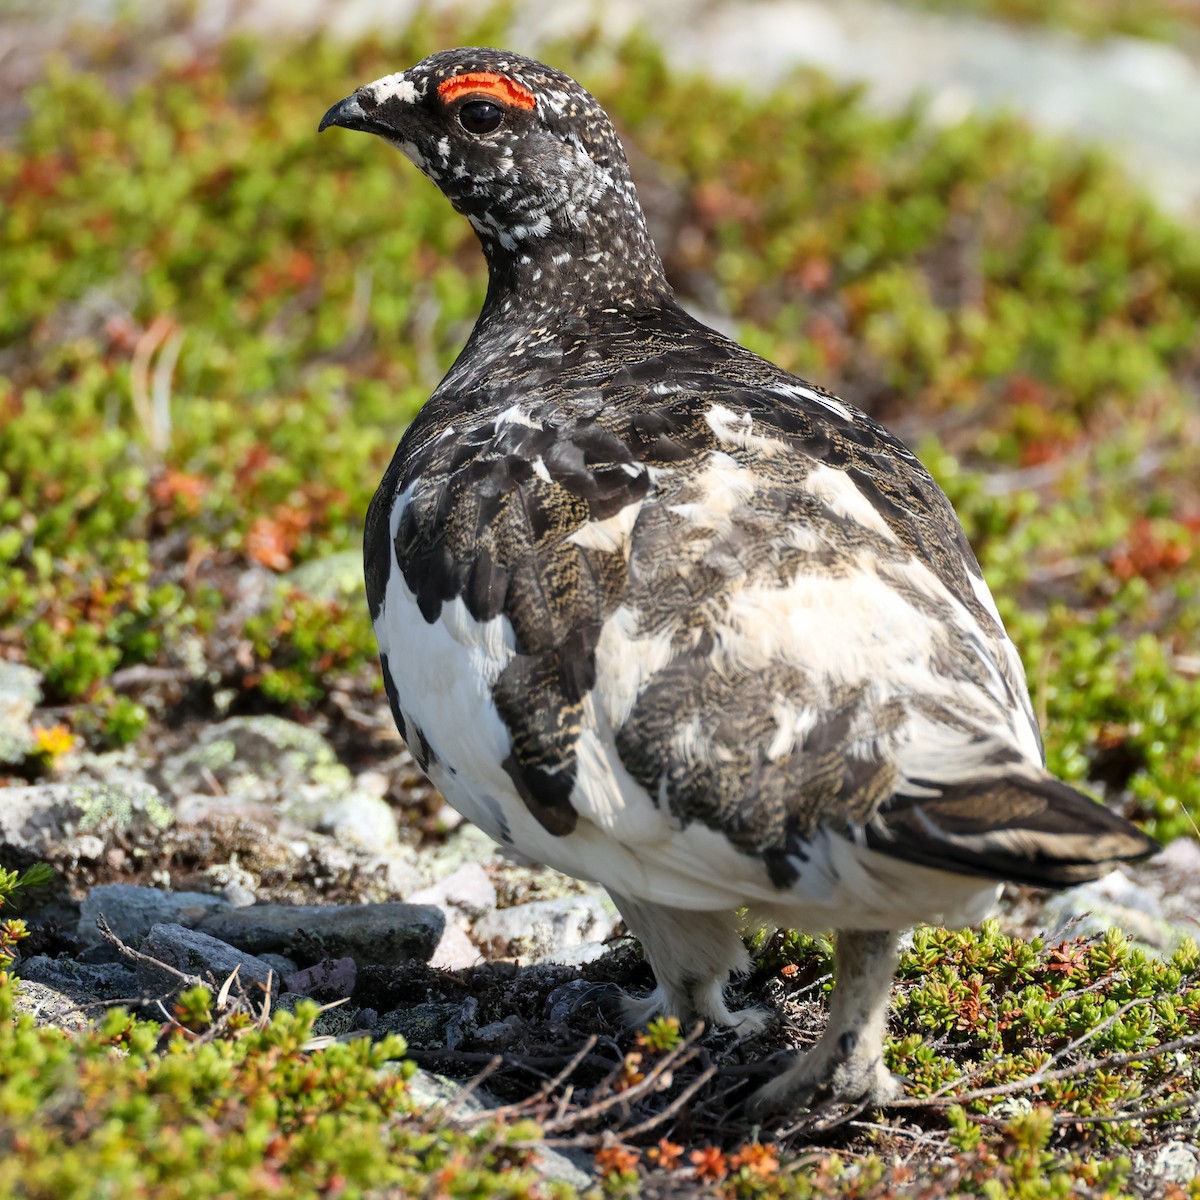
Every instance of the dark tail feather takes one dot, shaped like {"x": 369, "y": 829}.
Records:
{"x": 1025, "y": 829}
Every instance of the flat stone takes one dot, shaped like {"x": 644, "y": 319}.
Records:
{"x": 130, "y": 910}
{"x": 199, "y": 954}
{"x": 387, "y": 933}
{"x": 545, "y": 927}
{"x": 330, "y": 979}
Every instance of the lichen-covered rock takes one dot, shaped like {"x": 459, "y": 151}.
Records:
{"x": 423, "y": 1026}
{"x": 368, "y": 933}
{"x": 131, "y": 911}
{"x": 431, "y": 1091}
{"x": 261, "y": 759}
{"x": 42, "y": 818}
{"x": 49, "y": 1006}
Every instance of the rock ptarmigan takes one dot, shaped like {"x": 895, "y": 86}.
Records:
{"x": 662, "y": 615}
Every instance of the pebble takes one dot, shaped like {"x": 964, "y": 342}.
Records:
{"x": 131, "y": 910}
{"x": 330, "y": 979}
{"x": 388, "y": 933}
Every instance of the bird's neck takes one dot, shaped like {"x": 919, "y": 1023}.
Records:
{"x": 603, "y": 263}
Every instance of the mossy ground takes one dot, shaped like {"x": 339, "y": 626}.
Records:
{"x": 215, "y": 327}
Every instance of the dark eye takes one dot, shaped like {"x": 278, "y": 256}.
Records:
{"x": 480, "y": 116}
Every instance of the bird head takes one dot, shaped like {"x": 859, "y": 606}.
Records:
{"x": 520, "y": 149}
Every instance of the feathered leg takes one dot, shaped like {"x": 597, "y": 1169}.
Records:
{"x": 692, "y": 954}
{"x": 846, "y": 1065}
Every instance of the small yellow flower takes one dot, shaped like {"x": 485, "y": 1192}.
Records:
{"x": 54, "y": 741}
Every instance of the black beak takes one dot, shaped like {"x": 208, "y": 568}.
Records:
{"x": 349, "y": 114}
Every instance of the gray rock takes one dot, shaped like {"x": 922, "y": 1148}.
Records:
{"x": 44, "y": 817}
{"x": 260, "y": 759}
{"x": 368, "y": 933}
{"x": 130, "y": 911}
{"x": 208, "y": 958}
{"x": 468, "y": 889}
{"x": 359, "y": 819}
{"x": 20, "y": 692}
{"x": 498, "y": 1034}
{"x": 83, "y": 983}
{"x": 1113, "y": 902}
{"x": 545, "y": 927}
{"x": 575, "y": 956}
{"x": 279, "y": 963}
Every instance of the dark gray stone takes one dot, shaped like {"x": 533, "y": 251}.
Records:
{"x": 195, "y": 953}
{"x": 130, "y": 910}
{"x": 368, "y": 933}
{"x": 84, "y": 983}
